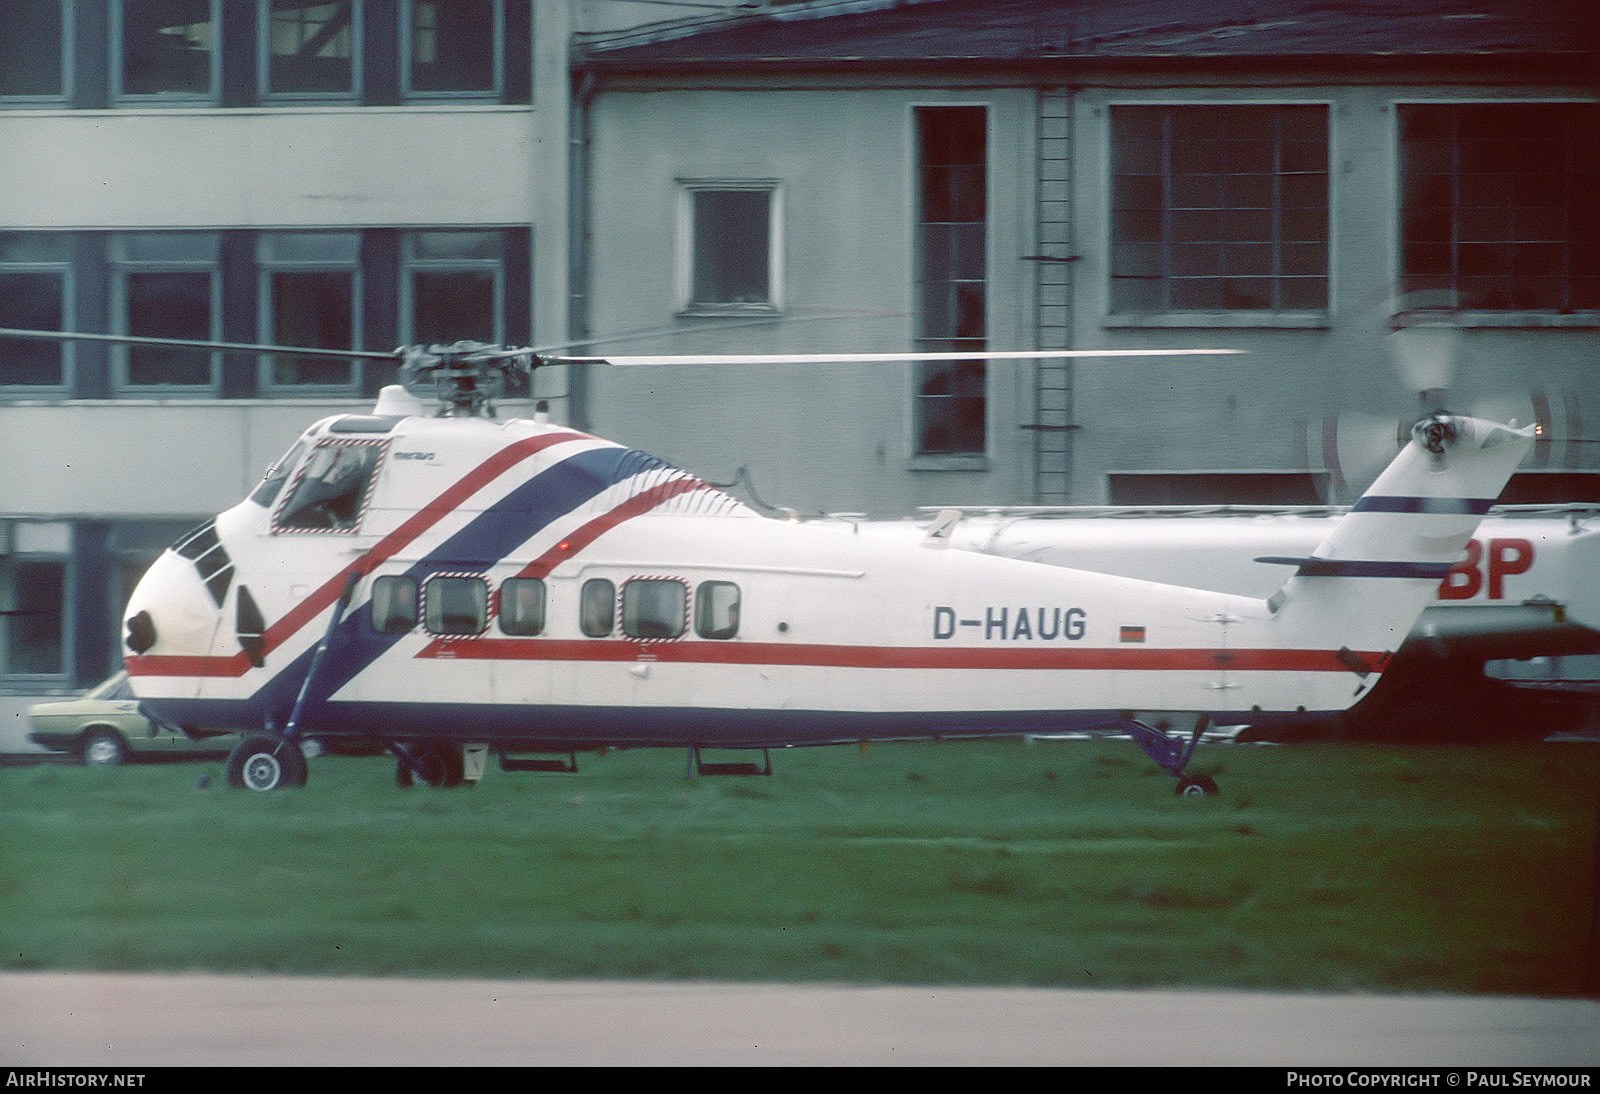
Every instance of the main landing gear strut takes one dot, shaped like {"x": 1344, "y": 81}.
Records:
{"x": 1173, "y": 753}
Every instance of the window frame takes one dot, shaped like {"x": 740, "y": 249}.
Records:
{"x": 973, "y": 452}
{"x": 121, "y": 268}
{"x": 68, "y": 14}
{"x": 703, "y": 607}
{"x": 407, "y": 35}
{"x": 268, "y": 265}
{"x": 65, "y": 268}
{"x": 281, "y": 508}
{"x": 30, "y": 543}
{"x": 412, "y": 602}
{"x": 1466, "y": 313}
{"x": 1165, "y": 312}
{"x": 265, "y": 55}
{"x": 117, "y": 53}
{"x": 508, "y": 585}
{"x": 628, "y": 616}
{"x": 426, "y": 614}
{"x": 588, "y": 599}
{"x": 688, "y": 190}
{"x": 411, "y": 265}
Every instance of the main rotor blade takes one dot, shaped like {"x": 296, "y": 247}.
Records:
{"x": 186, "y": 343}
{"x": 871, "y": 358}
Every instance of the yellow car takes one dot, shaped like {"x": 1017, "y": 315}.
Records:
{"x": 105, "y": 728}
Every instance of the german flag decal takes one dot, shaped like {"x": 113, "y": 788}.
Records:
{"x": 1132, "y": 634}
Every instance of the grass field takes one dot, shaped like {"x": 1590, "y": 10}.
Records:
{"x": 1000, "y": 862}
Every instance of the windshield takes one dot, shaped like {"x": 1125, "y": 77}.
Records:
{"x": 277, "y": 475}
{"x": 331, "y": 490}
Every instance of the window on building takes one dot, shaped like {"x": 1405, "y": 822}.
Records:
{"x": 311, "y": 49}
{"x": 453, "y": 46}
{"x": 453, "y": 284}
{"x": 394, "y": 604}
{"x": 521, "y": 607}
{"x": 35, "y": 280}
{"x": 33, "y": 53}
{"x": 310, "y": 296}
{"x": 167, "y": 285}
{"x": 654, "y": 607}
{"x": 34, "y": 600}
{"x": 951, "y": 408}
{"x": 1219, "y": 208}
{"x": 455, "y": 605}
{"x": 169, "y": 48}
{"x": 716, "y": 609}
{"x": 597, "y": 607}
{"x": 1500, "y": 205}
{"x": 733, "y": 243}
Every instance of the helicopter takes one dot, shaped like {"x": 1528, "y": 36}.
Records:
{"x": 451, "y": 585}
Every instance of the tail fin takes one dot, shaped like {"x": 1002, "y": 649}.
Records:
{"x": 1367, "y": 583}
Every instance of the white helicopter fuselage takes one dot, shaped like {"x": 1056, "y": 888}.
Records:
{"x": 513, "y": 583}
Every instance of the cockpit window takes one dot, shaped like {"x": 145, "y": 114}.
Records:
{"x": 277, "y": 475}
{"x": 331, "y": 491}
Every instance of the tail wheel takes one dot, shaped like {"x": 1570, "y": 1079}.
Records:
{"x": 1196, "y": 786}
{"x": 263, "y": 763}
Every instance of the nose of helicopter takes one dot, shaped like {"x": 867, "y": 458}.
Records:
{"x": 172, "y": 612}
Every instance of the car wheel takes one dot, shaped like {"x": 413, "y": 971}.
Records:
{"x": 104, "y": 748}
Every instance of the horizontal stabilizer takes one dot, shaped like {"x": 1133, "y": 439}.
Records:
{"x": 1358, "y": 567}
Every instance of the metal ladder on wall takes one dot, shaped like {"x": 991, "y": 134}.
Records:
{"x": 1053, "y": 284}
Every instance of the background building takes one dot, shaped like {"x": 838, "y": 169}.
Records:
{"x": 356, "y": 174}
{"x": 1296, "y": 179}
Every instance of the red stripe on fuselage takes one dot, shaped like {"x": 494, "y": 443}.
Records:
{"x": 390, "y": 545}
{"x": 888, "y": 657}
{"x": 640, "y": 503}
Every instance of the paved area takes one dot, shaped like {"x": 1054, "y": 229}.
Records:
{"x": 131, "y": 1021}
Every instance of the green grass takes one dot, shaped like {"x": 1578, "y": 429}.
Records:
{"x": 1000, "y": 862}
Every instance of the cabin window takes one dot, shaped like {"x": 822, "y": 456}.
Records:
{"x": 394, "y": 604}
{"x": 654, "y": 608}
{"x": 455, "y": 605}
{"x": 330, "y": 492}
{"x": 597, "y": 607}
{"x": 716, "y": 609}
{"x": 278, "y": 474}
{"x": 521, "y": 608}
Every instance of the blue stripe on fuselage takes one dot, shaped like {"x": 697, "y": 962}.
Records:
{"x": 487, "y": 538}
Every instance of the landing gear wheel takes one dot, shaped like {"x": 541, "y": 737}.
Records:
{"x": 104, "y": 748}
{"x": 266, "y": 763}
{"x": 444, "y": 764}
{"x": 1196, "y": 786}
